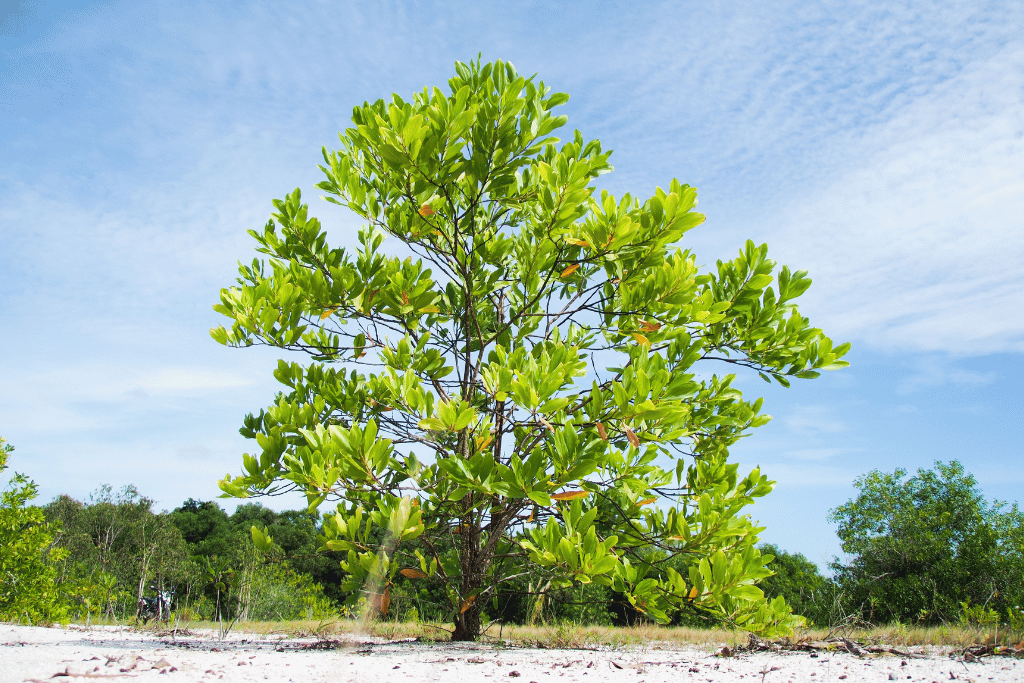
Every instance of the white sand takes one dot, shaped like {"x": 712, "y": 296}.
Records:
{"x": 76, "y": 654}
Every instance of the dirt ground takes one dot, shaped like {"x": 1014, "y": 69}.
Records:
{"x": 57, "y": 654}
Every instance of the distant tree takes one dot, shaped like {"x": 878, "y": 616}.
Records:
{"x": 119, "y": 534}
{"x": 29, "y": 589}
{"x": 541, "y": 356}
{"x": 920, "y": 546}
{"x": 222, "y": 546}
{"x": 297, "y": 533}
{"x": 800, "y": 582}
{"x": 206, "y": 528}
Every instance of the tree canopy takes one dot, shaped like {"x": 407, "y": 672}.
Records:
{"x": 535, "y": 348}
{"x": 921, "y": 546}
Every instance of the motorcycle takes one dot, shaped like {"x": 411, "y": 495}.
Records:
{"x": 158, "y": 607}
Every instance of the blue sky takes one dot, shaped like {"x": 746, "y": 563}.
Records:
{"x": 880, "y": 147}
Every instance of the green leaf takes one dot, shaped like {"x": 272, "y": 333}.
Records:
{"x": 540, "y": 498}
{"x": 759, "y": 281}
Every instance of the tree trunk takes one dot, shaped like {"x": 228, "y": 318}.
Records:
{"x": 474, "y": 565}
{"x": 467, "y": 624}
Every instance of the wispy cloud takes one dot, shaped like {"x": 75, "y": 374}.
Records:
{"x": 818, "y": 454}
{"x": 804, "y": 474}
{"x": 807, "y": 420}
{"x": 918, "y": 246}
{"x": 934, "y": 372}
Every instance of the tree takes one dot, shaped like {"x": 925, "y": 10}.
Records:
{"x": 535, "y": 347}
{"x": 205, "y": 527}
{"x": 117, "y": 533}
{"x": 29, "y": 589}
{"x": 921, "y": 546}
{"x": 798, "y": 580}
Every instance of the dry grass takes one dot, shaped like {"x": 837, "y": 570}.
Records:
{"x": 573, "y": 636}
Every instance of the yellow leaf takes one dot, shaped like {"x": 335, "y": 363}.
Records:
{"x": 693, "y": 593}
{"x": 467, "y": 603}
{"x": 380, "y": 406}
{"x": 650, "y": 327}
{"x": 405, "y": 298}
{"x": 646, "y": 501}
{"x": 641, "y": 339}
{"x": 570, "y": 270}
{"x": 482, "y": 443}
{"x": 569, "y": 495}
{"x": 426, "y": 210}
{"x": 328, "y": 313}
{"x": 631, "y": 435}
{"x": 578, "y": 243}
{"x": 412, "y": 573}
{"x": 547, "y": 424}
{"x": 602, "y": 431}
{"x": 430, "y": 309}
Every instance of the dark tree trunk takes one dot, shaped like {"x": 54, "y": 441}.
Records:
{"x": 474, "y": 564}
{"x": 477, "y": 553}
{"x": 467, "y": 624}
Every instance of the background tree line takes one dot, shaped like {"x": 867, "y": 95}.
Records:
{"x": 923, "y": 549}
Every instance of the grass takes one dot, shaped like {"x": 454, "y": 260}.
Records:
{"x": 574, "y": 636}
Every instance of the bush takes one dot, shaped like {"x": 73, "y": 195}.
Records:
{"x": 29, "y": 590}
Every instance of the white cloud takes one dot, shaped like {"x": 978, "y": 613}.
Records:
{"x": 920, "y": 246}
{"x": 804, "y": 474}
{"x": 807, "y": 420}
{"x": 185, "y": 380}
{"x": 936, "y": 372}
{"x": 817, "y": 454}
{"x": 116, "y": 383}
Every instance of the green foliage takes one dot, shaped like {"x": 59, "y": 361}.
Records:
{"x": 210, "y": 532}
{"x": 279, "y": 592}
{"x": 206, "y": 528}
{"x": 114, "y": 547}
{"x": 537, "y": 352}
{"x": 29, "y": 591}
{"x": 924, "y": 546}
{"x": 797, "y": 579}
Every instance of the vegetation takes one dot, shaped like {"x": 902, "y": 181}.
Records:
{"x": 924, "y": 549}
{"x": 112, "y": 548}
{"x": 28, "y": 589}
{"x": 79, "y": 560}
{"x": 806, "y": 590}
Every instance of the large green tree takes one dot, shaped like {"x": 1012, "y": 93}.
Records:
{"x": 921, "y": 545}
{"x": 534, "y": 349}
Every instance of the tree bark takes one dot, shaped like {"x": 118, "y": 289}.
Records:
{"x": 467, "y": 624}
{"x": 474, "y": 565}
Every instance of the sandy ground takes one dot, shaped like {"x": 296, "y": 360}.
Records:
{"x": 77, "y": 654}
